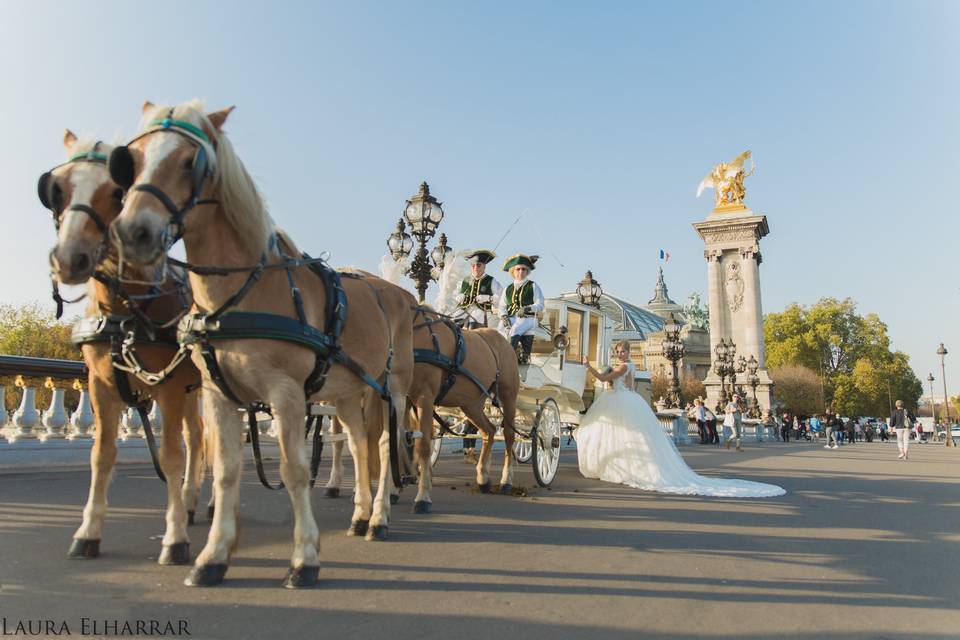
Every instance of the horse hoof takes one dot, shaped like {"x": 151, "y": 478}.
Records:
{"x": 506, "y": 489}
{"x": 394, "y": 498}
{"x": 206, "y": 575}
{"x": 191, "y": 518}
{"x": 358, "y": 527}
{"x": 377, "y": 532}
{"x": 422, "y": 506}
{"x": 484, "y": 488}
{"x": 210, "y": 512}
{"x": 331, "y": 492}
{"x": 177, "y": 553}
{"x": 301, "y": 577}
{"x": 84, "y": 549}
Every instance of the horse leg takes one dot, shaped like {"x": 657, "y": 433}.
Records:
{"x": 176, "y": 544}
{"x": 288, "y": 402}
{"x": 423, "y": 502}
{"x": 103, "y": 455}
{"x": 226, "y": 443}
{"x": 508, "y": 407}
{"x": 350, "y": 413}
{"x": 479, "y": 419}
{"x": 332, "y": 488}
{"x": 193, "y": 436}
{"x": 380, "y": 519}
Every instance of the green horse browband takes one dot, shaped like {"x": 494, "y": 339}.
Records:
{"x": 93, "y": 156}
{"x": 166, "y": 123}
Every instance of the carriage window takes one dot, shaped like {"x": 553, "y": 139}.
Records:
{"x": 575, "y": 333}
{"x": 550, "y": 320}
{"x": 592, "y": 347}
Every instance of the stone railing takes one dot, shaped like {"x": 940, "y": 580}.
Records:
{"x": 53, "y": 423}
{"x": 683, "y": 430}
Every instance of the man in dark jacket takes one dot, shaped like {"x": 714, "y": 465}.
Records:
{"x": 902, "y": 421}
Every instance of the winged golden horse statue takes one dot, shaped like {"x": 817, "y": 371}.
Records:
{"x": 726, "y": 180}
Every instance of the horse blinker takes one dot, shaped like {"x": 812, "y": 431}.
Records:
{"x": 121, "y": 167}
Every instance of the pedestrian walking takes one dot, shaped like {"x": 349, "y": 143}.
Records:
{"x": 901, "y": 421}
{"x": 733, "y": 419}
{"x": 711, "y": 419}
{"x": 832, "y": 422}
{"x": 700, "y": 415}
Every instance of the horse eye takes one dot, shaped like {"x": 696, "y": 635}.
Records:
{"x": 188, "y": 165}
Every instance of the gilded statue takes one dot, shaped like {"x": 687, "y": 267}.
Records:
{"x": 726, "y": 180}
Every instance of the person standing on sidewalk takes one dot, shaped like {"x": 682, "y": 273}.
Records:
{"x": 831, "y": 427}
{"x": 711, "y": 423}
{"x": 700, "y": 415}
{"x": 733, "y": 419}
{"x": 901, "y": 421}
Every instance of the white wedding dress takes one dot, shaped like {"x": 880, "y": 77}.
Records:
{"x": 621, "y": 440}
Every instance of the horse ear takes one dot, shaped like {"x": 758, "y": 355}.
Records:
{"x": 69, "y": 138}
{"x": 147, "y": 105}
{"x": 218, "y": 118}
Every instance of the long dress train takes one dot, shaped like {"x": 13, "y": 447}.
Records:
{"x": 621, "y": 440}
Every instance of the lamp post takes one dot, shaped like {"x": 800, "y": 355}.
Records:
{"x": 942, "y": 351}
{"x": 423, "y": 214}
{"x": 673, "y": 351}
{"x": 589, "y": 291}
{"x": 727, "y": 366}
{"x": 933, "y": 403}
{"x": 753, "y": 380}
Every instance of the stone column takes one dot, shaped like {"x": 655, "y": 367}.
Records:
{"x": 55, "y": 417}
{"x": 753, "y": 321}
{"x": 82, "y": 419}
{"x": 26, "y": 417}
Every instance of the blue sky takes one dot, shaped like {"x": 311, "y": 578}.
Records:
{"x": 596, "y": 119}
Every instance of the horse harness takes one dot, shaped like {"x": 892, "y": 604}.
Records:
{"x": 452, "y": 367}
{"x": 202, "y": 329}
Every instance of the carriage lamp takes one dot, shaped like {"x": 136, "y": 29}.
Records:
{"x": 942, "y": 351}
{"x": 589, "y": 291}
{"x": 400, "y": 243}
{"x": 673, "y": 351}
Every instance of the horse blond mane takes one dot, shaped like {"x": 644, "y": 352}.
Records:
{"x": 240, "y": 200}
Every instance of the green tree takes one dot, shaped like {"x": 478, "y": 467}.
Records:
{"x": 32, "y": 331}
{"x": 798, "y": 389}
{"x": 850, "y": 352}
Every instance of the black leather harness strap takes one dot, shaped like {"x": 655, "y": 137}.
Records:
{"x": 222, "y": 324}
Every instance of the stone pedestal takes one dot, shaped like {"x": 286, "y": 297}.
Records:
{"x": 731, "y": 236}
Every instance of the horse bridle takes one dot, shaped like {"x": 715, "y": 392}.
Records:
{"x": 121, "y": 170}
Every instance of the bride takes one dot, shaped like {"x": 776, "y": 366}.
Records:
{"x": 621, "y": 440}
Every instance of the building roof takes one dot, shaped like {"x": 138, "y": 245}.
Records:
{"x": 632, "y": 322}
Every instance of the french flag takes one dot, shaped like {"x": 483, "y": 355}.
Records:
{"x": 664, "y": 255}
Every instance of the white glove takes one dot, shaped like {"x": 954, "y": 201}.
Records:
{"x": 482, "y": 299}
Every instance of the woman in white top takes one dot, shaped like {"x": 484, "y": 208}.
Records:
{"x": 733, "y": 419}
{"x": 621, "y": 440}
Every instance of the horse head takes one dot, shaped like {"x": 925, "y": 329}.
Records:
{"x": 167, "y": 170}
{"x": 84, "y": 201}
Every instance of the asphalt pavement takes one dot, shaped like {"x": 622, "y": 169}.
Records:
{"x": 862, "y": 546}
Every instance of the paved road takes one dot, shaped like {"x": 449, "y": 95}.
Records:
{"x": 862, "y": 546}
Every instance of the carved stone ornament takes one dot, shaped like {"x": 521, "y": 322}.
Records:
{"x": 734, "y": 286}
{"x": 730, "y": 235}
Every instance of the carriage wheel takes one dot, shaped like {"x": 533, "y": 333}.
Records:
{"x": 522, "y": 450}
{"x": 545, "y": 441}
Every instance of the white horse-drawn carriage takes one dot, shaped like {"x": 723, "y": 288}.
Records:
{"x": 553, "y": 386}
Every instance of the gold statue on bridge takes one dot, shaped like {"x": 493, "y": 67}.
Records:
{"x": 726, "y": 180}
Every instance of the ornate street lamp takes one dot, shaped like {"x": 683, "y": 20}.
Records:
{"x": 399, "y": 242}
{"x": 933, "y": 403}
{"x": 727, "y": 366}
{"x": 673, "y": 351}
{"x": 422, "y": 214}
{"x": 589, "y": 291}
{"x": 942, "y": 351}
{"x": 753, "y": 380}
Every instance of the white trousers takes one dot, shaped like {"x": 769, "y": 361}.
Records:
{"x": 518, "y": 327}
{"x": 903, "y": 439}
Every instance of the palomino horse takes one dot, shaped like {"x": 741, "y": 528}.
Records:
{"x": 265, "y": 335}
{"x": 462, "y": 368}
{"x": 84, "y": 201}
